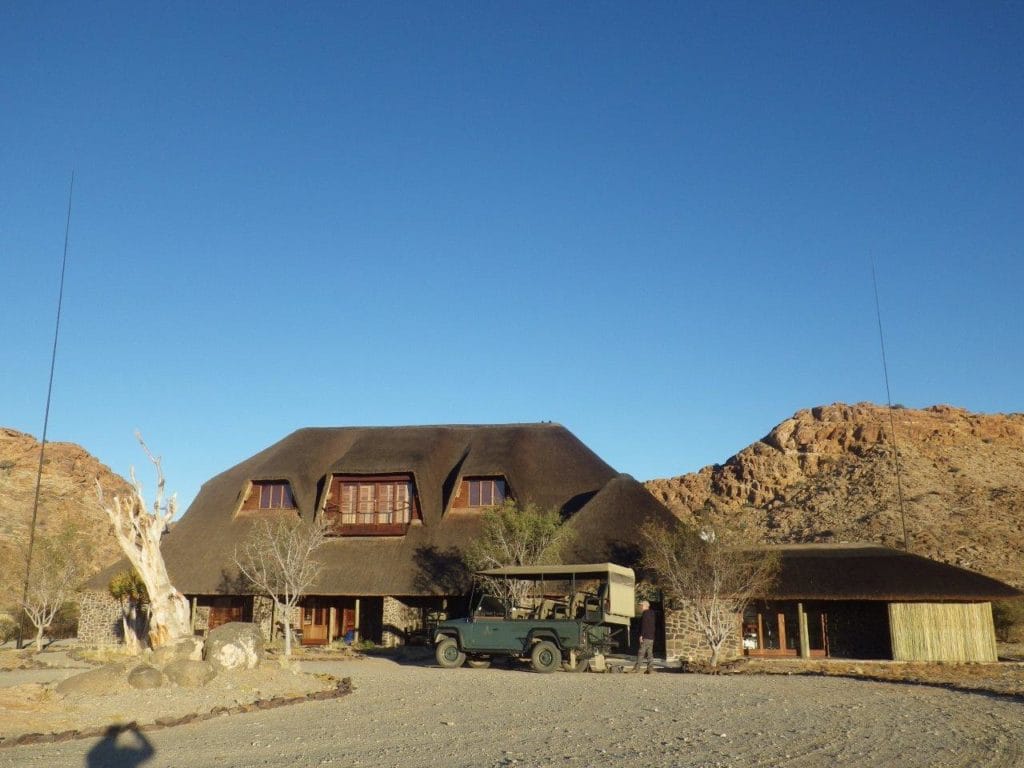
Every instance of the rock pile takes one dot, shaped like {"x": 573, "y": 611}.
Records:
{"x": 188, "y": 663}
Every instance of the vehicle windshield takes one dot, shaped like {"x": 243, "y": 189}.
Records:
{"x": 489, "y": 606}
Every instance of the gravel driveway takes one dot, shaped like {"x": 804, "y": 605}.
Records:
{"x": 424, "y": 716}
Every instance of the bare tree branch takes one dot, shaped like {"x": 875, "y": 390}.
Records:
{"x": 714, "y": 572}
{"x": 277, "y": 559}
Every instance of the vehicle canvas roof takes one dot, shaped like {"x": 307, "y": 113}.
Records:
{"x": 557, "y": 572}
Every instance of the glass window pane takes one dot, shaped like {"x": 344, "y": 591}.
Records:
{"x": 287, "y": 500}
{"x": 474, "y": 493}
{"x": 265, "y": 496}
{"x": 486, "y": 493}
{"x": 499, "y": 491}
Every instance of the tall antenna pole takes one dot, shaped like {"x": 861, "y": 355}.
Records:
{"x": 892, "y": 422}
{"x": 46, "y": 415}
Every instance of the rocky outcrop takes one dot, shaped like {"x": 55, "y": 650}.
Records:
{"x": 67, "y": 500}
{"x": 828, "y": 474}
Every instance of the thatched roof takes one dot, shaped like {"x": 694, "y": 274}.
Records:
{"x": 543, "y": 463}
{"x": 872, "y": 572}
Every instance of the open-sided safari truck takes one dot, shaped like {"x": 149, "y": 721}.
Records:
{"x": 566, "y": 617}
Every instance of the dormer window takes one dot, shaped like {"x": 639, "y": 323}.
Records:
{"x": 361, "y": 506}
{"x": 481, "y": 492}
{"x": 269, "y": 494}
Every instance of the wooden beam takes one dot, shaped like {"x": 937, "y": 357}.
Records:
{"x": 805, "y": 641}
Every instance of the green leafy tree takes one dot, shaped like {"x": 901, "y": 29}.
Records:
{"x": 129, "y": 590}
{"x": 515, "y": 534}
{"x": 713, "y": 572}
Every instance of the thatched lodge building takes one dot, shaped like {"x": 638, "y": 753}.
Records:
{"x": 860, "y": 601}
{"x": 402, "y": 504}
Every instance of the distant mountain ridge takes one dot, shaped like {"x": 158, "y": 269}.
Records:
{"x": 827, "y": 474}
{"x": 67, "y": 498}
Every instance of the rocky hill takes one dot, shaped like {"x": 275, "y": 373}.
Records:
{"x": 67, "y": 498}
{"x": 827, "y": 475}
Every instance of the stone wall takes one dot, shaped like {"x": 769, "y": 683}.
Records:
{"x": 399, "y": 620}
{"x": 685, "y": 641}
{"x": 99, "y": 618}
{"x": 201, "y": 618}
{"x": 263, "y": 615}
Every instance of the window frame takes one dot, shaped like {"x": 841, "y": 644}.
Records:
{"x": 278, "y": 493}
{"x": 356, "y": 506}
{"x": 474, "y": 485}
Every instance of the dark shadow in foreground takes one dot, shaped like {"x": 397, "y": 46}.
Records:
{"x": 134, "y": 749}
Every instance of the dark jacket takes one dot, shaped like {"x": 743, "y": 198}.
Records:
{"x": 647, "y": 624}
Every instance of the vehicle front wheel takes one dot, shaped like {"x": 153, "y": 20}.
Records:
{"x": 545, "y": 657}
{"x": 448, "y": 654}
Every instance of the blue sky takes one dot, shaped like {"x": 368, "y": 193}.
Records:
{"x": 651, "y": 222}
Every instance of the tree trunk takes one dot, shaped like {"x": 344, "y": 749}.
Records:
{"x": 130, "y": 627}
{"x": 168, "y": 610}
{"x": 39, "y": 638}
{"x": 139, "y": 534}
{"x": 287, "y": 624}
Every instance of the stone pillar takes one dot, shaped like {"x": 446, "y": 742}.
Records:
{"x": 263, "y": 616}
{"x": 684, "y": 640}
{"x": 398, "y": 621}
{"x": 99, "y": 618}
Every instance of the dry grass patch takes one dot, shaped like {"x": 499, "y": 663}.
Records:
{"x": 1003, "y": 678}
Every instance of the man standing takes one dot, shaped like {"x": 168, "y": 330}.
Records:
{"x": 646, "y": 637}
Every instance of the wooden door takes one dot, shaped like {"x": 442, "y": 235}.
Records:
{"x": 316, "y": 621}
{"x": 348, "y": 621}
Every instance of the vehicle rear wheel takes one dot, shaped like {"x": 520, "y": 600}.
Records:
{"x": 582, "y": 665}
{"x": 545, "y": 657}
{"x": 478, "y": 663}
{"x": 448, "y": 654}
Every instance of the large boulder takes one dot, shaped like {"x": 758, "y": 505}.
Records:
{"x": 110, "y": 678}
{"x": 188, "y": 673}
{"x": 187, "y": 648}
{"x": 145, "y": 676}
{"x": 235, "y": 645}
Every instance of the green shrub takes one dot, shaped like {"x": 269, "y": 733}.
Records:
{"x": 8, "y": 628}
{"x": 1008, "y": 616}
{"x": 65, "y": 623}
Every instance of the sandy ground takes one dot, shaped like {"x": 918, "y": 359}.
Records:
{"x": 419, "y": 715}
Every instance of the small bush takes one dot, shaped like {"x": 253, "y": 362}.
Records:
{"x": 1008, "y": 616}
{"x": 8, "y": 628}
{"x": 65, "y": 623}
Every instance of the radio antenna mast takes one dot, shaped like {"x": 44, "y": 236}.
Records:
{"x": 892, "y": 422}
{"x": 46, "y": 415}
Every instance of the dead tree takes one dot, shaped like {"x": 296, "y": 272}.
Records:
{"x": 713, "y": 573}
{"x": 277, "y": 559}
{"x": 139, "y": 531}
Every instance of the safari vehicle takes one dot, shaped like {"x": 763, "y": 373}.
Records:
{"x": 568, "y": 619}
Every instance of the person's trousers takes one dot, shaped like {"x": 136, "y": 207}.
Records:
{"x": 646, "y": 653}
